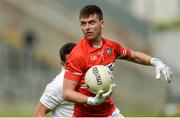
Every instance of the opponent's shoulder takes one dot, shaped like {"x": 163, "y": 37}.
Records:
{"x": 55, "y": 84}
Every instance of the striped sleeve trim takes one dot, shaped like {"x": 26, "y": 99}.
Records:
{"x": 123, "y": 54}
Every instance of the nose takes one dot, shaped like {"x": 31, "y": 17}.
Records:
{"x": 87, "y": 27}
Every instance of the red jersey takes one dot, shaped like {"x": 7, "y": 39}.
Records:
{"x": 84, "y": 56}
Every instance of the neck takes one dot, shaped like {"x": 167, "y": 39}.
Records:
{"x": 97, "y": 42}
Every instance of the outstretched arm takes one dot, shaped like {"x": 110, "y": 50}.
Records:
{"x": 142, "y": 58}
{"x": 139, "y": 57}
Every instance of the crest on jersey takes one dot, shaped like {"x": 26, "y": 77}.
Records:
{"x": 109, "y": 51}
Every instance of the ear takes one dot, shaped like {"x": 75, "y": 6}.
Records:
{"x": 62, "y": 63}
{"x": 102, "y": 23}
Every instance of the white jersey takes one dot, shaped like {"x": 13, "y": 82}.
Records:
{"x": 52, "y": 98}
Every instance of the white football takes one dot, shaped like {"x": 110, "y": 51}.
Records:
{"x": 98, "y": 78}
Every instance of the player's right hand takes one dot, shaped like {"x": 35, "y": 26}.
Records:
{"x": 101, "y": 96}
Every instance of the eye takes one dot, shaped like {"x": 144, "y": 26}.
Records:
{"x": 83, "y": 23}
{"x": 92, "y": 22}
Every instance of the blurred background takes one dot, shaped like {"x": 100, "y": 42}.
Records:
{"x": 32, "y": 31}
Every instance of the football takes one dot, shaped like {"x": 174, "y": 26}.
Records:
{"x": 97, "y": 78}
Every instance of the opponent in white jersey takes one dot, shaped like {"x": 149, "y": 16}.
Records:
{"x": 51, "y": 100}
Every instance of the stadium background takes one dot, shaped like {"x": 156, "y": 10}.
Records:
{"x": 32, "y": 31}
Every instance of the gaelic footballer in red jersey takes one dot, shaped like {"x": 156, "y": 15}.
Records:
{"x": 84, "y": 56}
{"x": 92, "y": 50}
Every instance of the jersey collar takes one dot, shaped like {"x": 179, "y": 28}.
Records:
{"x": 94, "y": 46}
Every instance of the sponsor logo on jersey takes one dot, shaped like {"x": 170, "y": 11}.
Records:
{"x": 101, "y": 52}
{"x": 93, "y": 58}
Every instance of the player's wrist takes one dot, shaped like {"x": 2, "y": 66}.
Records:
{"x": 154, "y": 61}
{"x": 91, "y": 101}
{"x": 148, "y": 61}
{"x": 95, "y": 100}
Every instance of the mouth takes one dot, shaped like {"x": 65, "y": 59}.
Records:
{"x": 89, "y": 33}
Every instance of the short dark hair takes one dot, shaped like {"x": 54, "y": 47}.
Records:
{"x": 66, "y": 49}
{"x": 89, "y": 10}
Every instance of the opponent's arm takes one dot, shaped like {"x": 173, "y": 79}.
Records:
{"x": 142, "y": 58}
{"x": 41, "y": 110}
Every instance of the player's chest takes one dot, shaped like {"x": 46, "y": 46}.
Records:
{"x": 101, "y": 56}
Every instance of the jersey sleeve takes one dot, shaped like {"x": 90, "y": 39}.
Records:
{"x": 51, "y": 96}
{"x": 122, "y": 52}
{"x": 74, "y": 67}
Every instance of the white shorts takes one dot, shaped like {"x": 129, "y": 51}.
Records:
{"x": 116, "y": 114}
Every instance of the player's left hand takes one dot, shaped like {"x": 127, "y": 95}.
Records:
{"x": 101, "y": 96}
{"x": 162, "y": 68}
{"x": 110, "y": 92}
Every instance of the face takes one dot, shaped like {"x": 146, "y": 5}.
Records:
{"x": 91, "y": 27}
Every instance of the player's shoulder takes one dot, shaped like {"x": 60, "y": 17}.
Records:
{"x": 79, "y": 49}
{"x": 110, "y": 42}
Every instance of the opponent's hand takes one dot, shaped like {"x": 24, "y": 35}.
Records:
{"x": 162, "y": 68}
{"x": 101, "y": 96}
